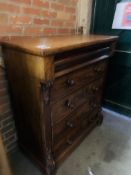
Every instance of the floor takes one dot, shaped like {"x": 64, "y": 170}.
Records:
{"x": 106, "y": 151}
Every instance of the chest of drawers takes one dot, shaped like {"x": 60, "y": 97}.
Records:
{"x": 56, "y": 86}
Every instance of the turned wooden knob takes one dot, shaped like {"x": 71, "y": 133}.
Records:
{"x": 69, "y": 104}
{"x": 94, "y": 106}
{"x": 70, "y": 82}
{"x": 70, "y": 124}
{"x": 69, "y": 142}
{"x": 97, "y": 70}
{"x": 95, "y": 89}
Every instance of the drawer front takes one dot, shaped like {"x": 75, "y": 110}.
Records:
{"x": 64, "y": 85}
{"x": 69, "y": 104}
{"x": 95, "y": 90}
{"x": 66, "y": 132}
{"x": 70, "y": 123}
{"x": 69, "y": 139}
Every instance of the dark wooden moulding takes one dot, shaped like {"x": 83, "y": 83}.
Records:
{"x": 56, "y": 86}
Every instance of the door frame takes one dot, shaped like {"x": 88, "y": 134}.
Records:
{"x": 94, "y": 4}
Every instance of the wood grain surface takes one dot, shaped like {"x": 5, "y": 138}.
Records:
{"x": 50, "y": 45}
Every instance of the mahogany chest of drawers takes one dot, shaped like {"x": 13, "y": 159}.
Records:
{"x": 56, "y": 87}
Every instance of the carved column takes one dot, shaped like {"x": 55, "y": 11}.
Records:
{"x": 46, "y": 86}
{"x": 50, "y": 164}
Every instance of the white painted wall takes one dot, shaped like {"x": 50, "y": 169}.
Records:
{"x": 84, "y": 14}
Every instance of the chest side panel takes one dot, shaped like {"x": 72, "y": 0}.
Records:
{"x": 25, "y": 73}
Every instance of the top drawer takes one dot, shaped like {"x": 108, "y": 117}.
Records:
{"x": 69, "y": 83}
{"x": 67, "y": 62}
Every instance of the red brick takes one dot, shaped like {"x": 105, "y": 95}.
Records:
{"x": 2, "y": 76}
{"x": 63, "y": 15}
{"x": 72, "y": 17}
{"x": 41, "y": 3}
{"x": 70, "y": 9}
{"x": 9, "y": 29}
{"x": 69, "y": 24}
{"x": 73, "y": 2}
{"x": 3, "y": 93}
{"x": 2, "y": 71}
{"x": 49, "y": 14}
{"x": 49, "y": 31}
{"x": 7, "y": 120}
{"x": 4, "y": 100}
{"x": 33, "y": 30}
{"x": 57, "y": 23}
{"x": 57, "y": 6}
{"x": 3, "y": 18}
{"x": 22, "y": 1}
{"x": 3, "y": 84}
{"x": 62, "y": 31}
{"x": 52, "y": 14}
{"x": 10, "y": 132}
{"x": 41, "y": 21}
{"x": 69, "y": 2}
{"x": 6, "y": 114}
{"x": 5, "y": 38}
{"x": 9, "y": 140}
{"x": 32, "y": 11}
{"x": 8, "y": 127}
{"x": 72, "y": 31}
{"x": 12, "y": 147}
{"x": 4, "y": 108}
{"x": 45, "y": 14}
{"x": 20, "y": 20}
{"x": 9, "y": 8}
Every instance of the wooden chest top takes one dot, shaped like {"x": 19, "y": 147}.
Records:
{"x": 43, "y": 46}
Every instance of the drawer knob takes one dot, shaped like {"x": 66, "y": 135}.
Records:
{"x": 70, "y": 83}
{"x": 69, "y": 104}
{"x": 95, "y": 89}
{"x": 69, "y": 142}
{"x": 97, "y": 70}
{"x": 70, "y": 124}
{"x": 94, "y": 106}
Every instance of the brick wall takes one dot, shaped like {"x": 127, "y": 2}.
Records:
{"x": 37, "y": 17}
{"x": 7, "y": 126}
{"x": 29, "y": 17}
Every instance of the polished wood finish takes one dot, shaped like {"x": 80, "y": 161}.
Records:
{"x": 56, "y": 86}
{"x": 51, "y": 45}
{"x": 76, "y": 79}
